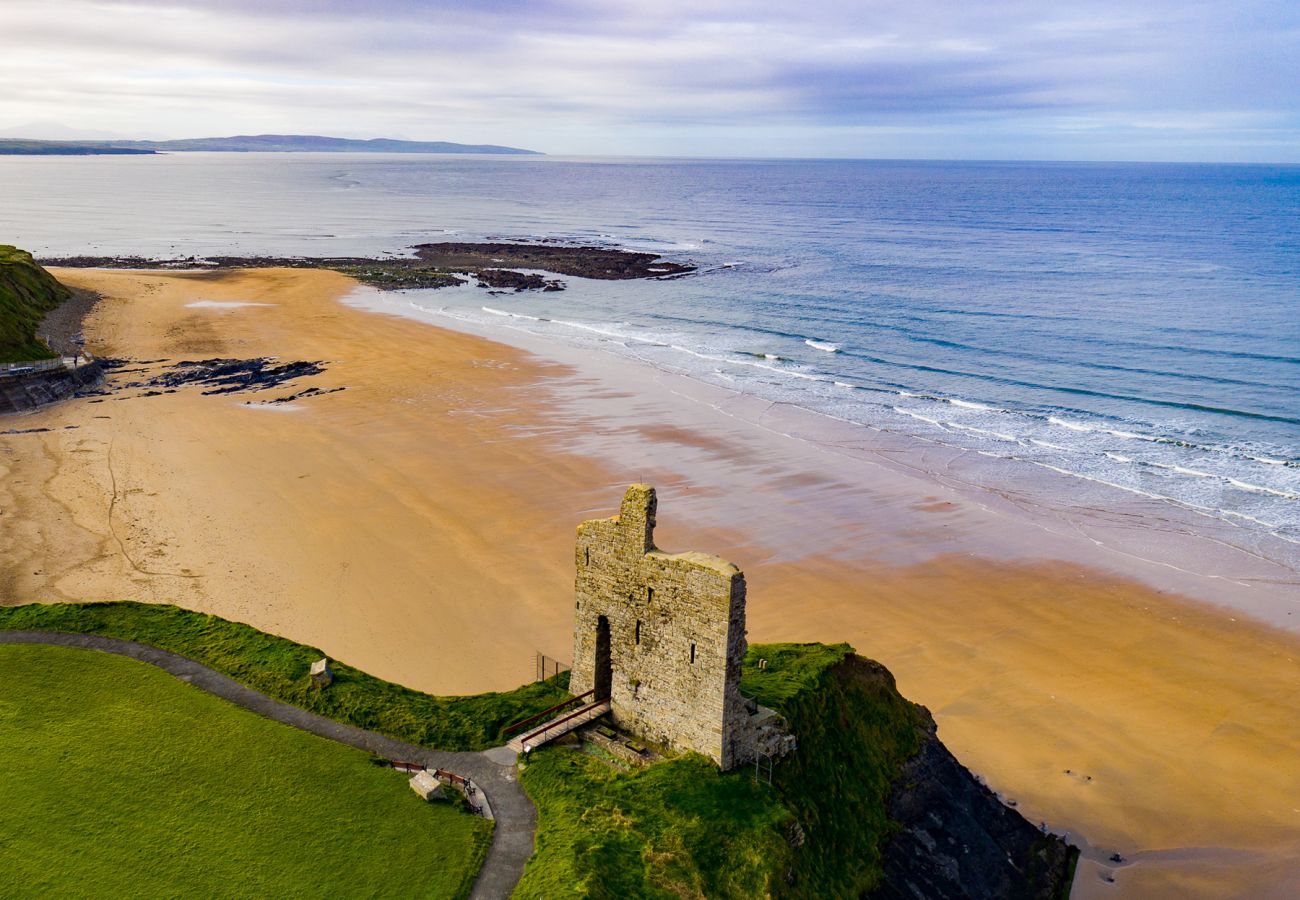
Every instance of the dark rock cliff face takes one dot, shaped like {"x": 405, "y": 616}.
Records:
{"x": 878, "y": 806}
{"x": 959, "y": 841}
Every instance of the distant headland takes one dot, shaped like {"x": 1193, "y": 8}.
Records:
{"x": 256, "y": 143}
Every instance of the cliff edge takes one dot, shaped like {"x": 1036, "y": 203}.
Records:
{"x": 957, "y": 839}
{"x": 883, "y": 809}
{"x": 870, "y": 804}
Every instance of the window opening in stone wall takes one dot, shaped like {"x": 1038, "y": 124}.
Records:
{"x": 650, "y": 595}
{"x": 586, "y": 556}
{"x": 638, "y": 631}
{"x": 692, "y": 654}
{"x": 604, "y": 668}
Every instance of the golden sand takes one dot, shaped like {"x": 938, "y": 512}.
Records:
{"x": 418, "y": 524}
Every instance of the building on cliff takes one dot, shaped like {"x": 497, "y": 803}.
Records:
{"x": 661, "y": 636}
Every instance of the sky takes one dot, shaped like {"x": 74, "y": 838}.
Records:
{"x": 1182, "y": 80}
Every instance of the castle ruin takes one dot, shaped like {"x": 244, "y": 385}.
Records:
{"x": 661, "y": 636}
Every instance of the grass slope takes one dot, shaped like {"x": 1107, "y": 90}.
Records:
{"x": 680, "y": 828}
{"x": 279, "y": 668}
{"x": 855, "y": 732}
{"x": 27, "y": 293}
{"x": 121, "y": 781}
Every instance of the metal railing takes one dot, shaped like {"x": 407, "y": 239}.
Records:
{"x": 20, "y": 369}
{"x": 542, "y": 735}
{"x": 520, "y": 726}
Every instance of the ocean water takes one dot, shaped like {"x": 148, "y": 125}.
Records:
{"x": 1131, "y": 328}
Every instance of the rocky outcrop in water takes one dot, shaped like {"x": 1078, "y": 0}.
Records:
{"x": 434, "y": 265}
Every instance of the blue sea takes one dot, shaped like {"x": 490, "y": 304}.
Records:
{"x": 1132, "y": 328}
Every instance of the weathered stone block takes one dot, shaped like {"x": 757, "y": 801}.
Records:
{"x": 321, "y": 674}
{"x": 427, "y": 786}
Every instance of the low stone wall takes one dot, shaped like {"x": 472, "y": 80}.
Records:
{"x": 28, "y": 392}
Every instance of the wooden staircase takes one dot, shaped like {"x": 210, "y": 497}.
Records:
{"x": 549, "y": 731}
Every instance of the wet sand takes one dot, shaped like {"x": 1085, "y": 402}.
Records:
{"x": 419, "y": 524}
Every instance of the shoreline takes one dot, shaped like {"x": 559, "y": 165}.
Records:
{"x": 1161, "y": 551}
{"x": 419, "y": 525}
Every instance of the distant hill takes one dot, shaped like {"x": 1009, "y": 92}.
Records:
{"x": 256, "y": 143}
{"x": 25, "y": 147}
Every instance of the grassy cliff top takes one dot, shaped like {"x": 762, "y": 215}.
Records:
{"x": 681, "y": 828}
{"x": 120, "y": 779}
{"x": 279, "y": 668}
{"x": 676, "y": 828}
{"x": 27, "y": 293}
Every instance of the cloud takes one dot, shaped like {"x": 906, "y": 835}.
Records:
{"x": 616, "y": 76}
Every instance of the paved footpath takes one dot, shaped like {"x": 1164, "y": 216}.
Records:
{"x": 492, "y": 771}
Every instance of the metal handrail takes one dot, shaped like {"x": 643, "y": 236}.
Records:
{"x": 35, "y": 365}
{"x": 45, "y": 365}
{"x": 557, "y": 722}
{"x": 518, "y": 726}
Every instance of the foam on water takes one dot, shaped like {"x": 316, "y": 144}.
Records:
{"x": 824, "y": 346}
{"x": 1207, "y": 479}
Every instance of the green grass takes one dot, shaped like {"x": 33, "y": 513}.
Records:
{"x": 27, "y": 293}
{"x": 791, "y": 669}
{"x": 679, "y": 828}
{"x": 855, "y": 732}
{"x": 121, "y": 781}
{"x": 279, "y": 668}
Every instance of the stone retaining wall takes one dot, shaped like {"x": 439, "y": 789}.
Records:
{"x": 28, "y": 392}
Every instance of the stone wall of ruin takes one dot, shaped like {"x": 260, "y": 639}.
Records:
{"x": 676, "y": 633}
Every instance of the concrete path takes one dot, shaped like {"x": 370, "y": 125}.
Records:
{"x": 491, "y": 771}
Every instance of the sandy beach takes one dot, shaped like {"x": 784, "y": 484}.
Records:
{"x": 419, "y": 524}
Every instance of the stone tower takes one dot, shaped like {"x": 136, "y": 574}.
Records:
{"x": 662, "y": 637}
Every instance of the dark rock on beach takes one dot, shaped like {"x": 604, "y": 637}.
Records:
{"x": 213, "y": 376}
{"x": 229, "y": 376}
